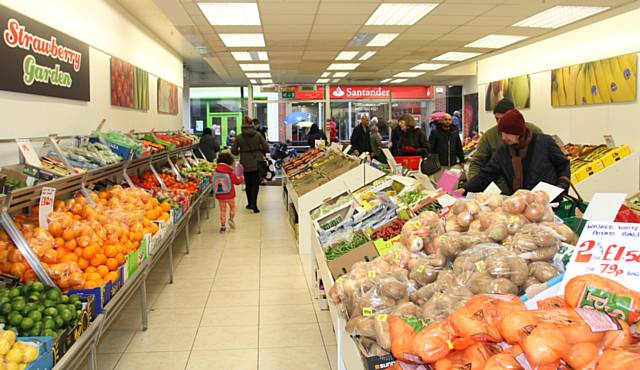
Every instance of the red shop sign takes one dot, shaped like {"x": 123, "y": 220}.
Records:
{"x": 381, "y": 92}
{"x": 310, "y": 95}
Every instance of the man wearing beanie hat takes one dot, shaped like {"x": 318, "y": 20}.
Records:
{"x": 524, "y": 160}
{"x": 491, "y": 141}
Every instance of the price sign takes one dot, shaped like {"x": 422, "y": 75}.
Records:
{"x": 47, "y": 197}
{"x": 28, "y": 152}
{"x": 610, "y": 250}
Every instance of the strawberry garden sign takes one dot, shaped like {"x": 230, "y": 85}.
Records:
{"x": 37, "y": 59}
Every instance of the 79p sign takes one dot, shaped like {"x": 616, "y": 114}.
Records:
{"x": 610, "y": 250}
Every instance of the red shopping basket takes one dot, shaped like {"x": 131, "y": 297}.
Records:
{"x": 411, "y": 162}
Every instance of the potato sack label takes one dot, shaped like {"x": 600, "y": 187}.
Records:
{"x": 37, "y": 59}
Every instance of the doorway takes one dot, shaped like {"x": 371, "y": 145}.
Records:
{"x": 222, "y": 124}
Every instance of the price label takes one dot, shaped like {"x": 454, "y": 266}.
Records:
{"x": 47, "y": 197}
{"x": 28, "y": 152}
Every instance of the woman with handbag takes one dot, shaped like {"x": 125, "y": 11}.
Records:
{"x": 252, "y": 147}
{"x": 412, "y": 141}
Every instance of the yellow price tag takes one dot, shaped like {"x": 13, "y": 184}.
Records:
{"x": 367, "y": 311}
{"x": 480, "y": 266}
{"x": 396, "y": 256}
{"x": 382, "y": 317}
{"x": 420, "y": 269}
{"x": 371, "y": 274}
{"x": 449, "y": 344}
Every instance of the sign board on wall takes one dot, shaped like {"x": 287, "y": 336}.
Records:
{"x": 381, "y": 92}
{"x": 37, "y": 59}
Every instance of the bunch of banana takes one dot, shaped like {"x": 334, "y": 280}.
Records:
{"x": 519, "y": 91}
{"x": 602, "y": 81}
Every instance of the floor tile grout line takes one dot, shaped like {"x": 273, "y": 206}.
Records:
{"x": 259, "y": 293}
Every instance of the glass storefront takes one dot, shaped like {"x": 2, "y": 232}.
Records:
{"x": 347, "y": 115}
{"x": 419, "y": 109}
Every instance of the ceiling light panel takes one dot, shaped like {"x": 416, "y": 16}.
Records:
{"x": 391, "y": 14}
{"x": 254, "y": 67}
{"x": 385, "y": 80}
{"x": 428, "y": 67}
{"x": 367, "y": 55}
{"x": 559, "y": 16}
{"x": 246, "y": 56}
{"x": 253, "y": 81}
{"x": 408, "y": 74}
{"x": 382, "y": 39}
{"x": 322, "y": 80}
{"x": 231, "y": 14}
{"x": 495, "y": 41}
{"x": 456, "y": 56}
{"x": 340, "y": 74}
{"x": 267, "y": 81}
{"x": 343, "y": 66}
{"x": 346, "y": 55}
{"x": 325, "y": 74}
{"x": 399, "y": 80}
{"x": 259, "y": 75}
{"x": 234, "y": 40}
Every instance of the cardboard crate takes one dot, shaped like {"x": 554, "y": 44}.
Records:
{"x": 587, "y": 170}
{"x": 100, "y": 295}
{"x": 65, "y": 341}
{"x": 45, "y": 352}
{"x": 615, "y": 155}
{"x": 376, "y": 362}
{"x": 134, "y": 259}
{"x": 342, "y": 264}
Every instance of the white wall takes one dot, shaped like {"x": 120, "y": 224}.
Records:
{"x": 109, "y": 31}
{"x": 583, "y": 124}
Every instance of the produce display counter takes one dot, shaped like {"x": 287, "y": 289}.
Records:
{"x": 621, "y": 177}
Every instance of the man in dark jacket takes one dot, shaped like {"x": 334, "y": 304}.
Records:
{"x": 524, "y": 159}
{"x": 361, "y": 138}
{"x": 445, "y": 142}
{"x": 208, "y": 145}
{"x": 251, "y": 146}
{"x": 412, "y": 140}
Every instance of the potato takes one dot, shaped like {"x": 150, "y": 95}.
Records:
{"x": 534, "y": 212}
{"x": 464, "y": 219}
{"x": 501, "y": 286}
{"x": 453, "y": 225}
{"x": 497, "y": 266}
{"x": 542, "y": 254}
{"x": 363, "y": 326}
{"x": 498, "y": 232}
{"x": 449, "y": 244}
{"x": 545, "y": 239}
{"x": 424, "y": 294}
{"x": 392, "y": 288}
{"x": 514, "y": 205}
{"x": 406, "y": 309}
{"x": 423, "y": 274}
{"x": 519, "y": 270}
{"x": 479, "y": 282}
{"x": 469, "y": 240}
{"x": 529, "y": 282}
{"x": 495, "y": 201}
{"x": 515, "y": 223}
{"x": 383, "y": 337}
{"x": 463, "y": 263}
{"x": 543, "y": 271}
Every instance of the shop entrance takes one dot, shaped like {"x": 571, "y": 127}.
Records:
{"x": 222, "y": 124}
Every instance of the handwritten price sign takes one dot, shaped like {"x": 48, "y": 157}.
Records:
{"x": 47, "y": 197}
{"x": 608, "y": 249}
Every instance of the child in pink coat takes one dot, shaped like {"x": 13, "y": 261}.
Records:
{"x": 223, "y": 184}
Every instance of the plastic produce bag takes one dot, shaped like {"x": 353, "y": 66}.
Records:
{"x": 418, "y": 233}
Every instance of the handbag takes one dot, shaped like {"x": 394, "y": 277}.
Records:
{"x": 430, "y": 164}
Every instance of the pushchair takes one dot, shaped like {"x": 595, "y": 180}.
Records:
{"x": 280, "y": 152}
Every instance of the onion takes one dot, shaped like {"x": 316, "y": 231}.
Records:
{"x": 495, "y": 201}
{"x": 459, "y": 206}
{"x": 464, "y": 219}
{"x": 534, "y": 212}
{"x": 474, "y": 207}
{"x": 541, "y": 197}
{"x": 514, "y": 205}
{"x": 415, "y": 243}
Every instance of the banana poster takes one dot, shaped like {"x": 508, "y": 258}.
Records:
{"x": 611, "y": 80}
{"x": 516, "y": 89}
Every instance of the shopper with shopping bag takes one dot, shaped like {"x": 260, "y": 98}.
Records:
{"x": 252, "y": 147}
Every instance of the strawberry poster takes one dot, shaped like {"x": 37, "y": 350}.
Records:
{"x": 167, "y": 97}
{"x": 37, "y": 59}
{"x": 129, "y": 85}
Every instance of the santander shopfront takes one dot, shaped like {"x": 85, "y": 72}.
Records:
{"x": 381, "y": 103}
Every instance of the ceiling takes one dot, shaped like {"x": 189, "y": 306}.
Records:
{"x": 303, "y": 37}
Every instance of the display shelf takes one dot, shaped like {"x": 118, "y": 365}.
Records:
{"x": 621, "y": 177}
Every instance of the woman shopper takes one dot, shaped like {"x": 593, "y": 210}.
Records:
{"x": 377, "y": 145}
{"x": 412, "y": 141}
{"x": 525, "y": 159}
{"x": 445, "y": 142}
{"x": 252, "y": 147}
{"x": 208, "y": 145}
{"x": 224, "y": 181}
{"x": 315, "y": 134}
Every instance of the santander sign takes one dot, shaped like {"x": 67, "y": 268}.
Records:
{"x": 359, "y": 92}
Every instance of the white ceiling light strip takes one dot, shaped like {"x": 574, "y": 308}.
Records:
{"x": 367, "y": 55}
{"x": 233, "y": 40}
{"x": 231, "y": 14}
{"x": 408, "y": 74}
{"x": 382, "y": 39}
{"x": 394, "y": 14}
{"x": 559, "y": 16}
{"x": 340, "y": 74}
{"x": 346, "y": 55}
{"x": 325, "y": 74}
{"x": 267, "y": 81}
{"x": 399, "y": 80}
{"x": 456, "y": 56}
{"x": 247, "y": 56}
{"x": 495, "y": 41}
{"x": 385, "y": 80}
{"x": 259, "y": 75}
{"x": 428, "y": 67}
{"x": 254, "y": 67}
{"x": 343, "y": 66}
{"x": 322, "y": 80}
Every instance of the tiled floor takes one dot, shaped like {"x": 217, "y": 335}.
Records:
{"x": 239, "y": 300}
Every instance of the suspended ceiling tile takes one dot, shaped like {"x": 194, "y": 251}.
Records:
{"x": 192, "y": 9}
{"x": 335, "y": 36}
{"x": 238, "y": 29}
{"x": 523, "y": 10}
{"x": 319, "y": 45}
{"x": 319, "y": 55}
{"x": 285, "y": 54}
{"x": 200, "y": 20}
{"x": 460, "y": 37}
{"x": 293, "y": 28}
{"x": 419, "y": 36}
{"x": 288, "y": 8}
{"x": 283, "y": 45}
{"x": 476, "y": 8}
{"x": 285, "y": 36}
{"x": 477, "y": 30}
{"x": 336, "y": 28}
{"x": 384, "y": 29}
{"x": 497, "y": 21}
{"x": 347, "y": 7}
{"x": 341, "y": 18}
{"x": 447, "y": 20}
{"x": 283, "y": 19}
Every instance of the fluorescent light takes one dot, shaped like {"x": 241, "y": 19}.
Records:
{"x": 343, "y": 66}
{"x": 325, "y": 74}
{"x": 408, "y": 74}
{"x": 243, "y": 56}
{"x": 254, "y": 67}
{"x": 456, "y": 56}
{"x": 385, "y": 80}
{"x": 233, "y": 40}
{"x": 346, "y": 55}
{"x": 495, "y": 41}
{"x": 336, "y": 80}
{"x": 259, "y": 75}
{"x": 322, "y": 80}
{"x": 428, "y": 67}
{"x": 559, "y": 16}
{"x": 382, "y": 39}
{"x": 367, "y": 55}
{"x": 253, "y": 81}
{"x": 231, "y": 14}
{"x": 399, "y": 80}
{"x": 340, "y": 74}
{"x": 399, "y": 14}
{"x": 267, "y": 81}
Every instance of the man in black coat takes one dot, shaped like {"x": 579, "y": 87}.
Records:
{"x": 445, "y": 142}
{"x": 208, "y": 145}
{"x": 361, "y": 137}
{"x": 525, "y": 159}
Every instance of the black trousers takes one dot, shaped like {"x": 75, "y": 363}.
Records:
{"x": 252, "y": 183}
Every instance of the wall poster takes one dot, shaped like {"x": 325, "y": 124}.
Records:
{"x": 517, "y": 89}
{"x": 37, "y": 59}
{"x": 611, "y": 80}
{"x": 470, "y": 119}
{"x": 129, "y": 85}
{"x": 167, "y": 97}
